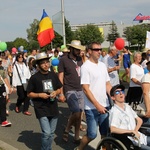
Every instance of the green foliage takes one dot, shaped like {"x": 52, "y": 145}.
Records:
{"x": 21, "y": 42}
{"x": 32, "y": 31}
{"x": 113, "y": 33}
{"x": 136, "y": 35}
{"x": 88, "y": 34}
{"x": 10, "y": 45}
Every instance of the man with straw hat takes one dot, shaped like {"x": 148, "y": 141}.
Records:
{"x": 43, "y": 87}
{"x": 69, "y": 75}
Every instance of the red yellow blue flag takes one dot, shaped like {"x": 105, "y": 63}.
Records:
{"x": 45, "y": 33}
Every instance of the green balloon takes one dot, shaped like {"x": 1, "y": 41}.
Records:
{"x": 3, "y": 46}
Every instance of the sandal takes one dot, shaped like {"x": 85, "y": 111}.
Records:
{"x": 65, "y": 136}
{"x": 27, "y": 113}
{"x": 82, "y": 129}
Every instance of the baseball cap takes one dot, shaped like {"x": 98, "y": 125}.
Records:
{"x": 114, "y": 88}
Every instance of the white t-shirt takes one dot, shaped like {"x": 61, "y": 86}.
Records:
{"x": 125, "y": 119}
{"x": 96, "y": 76}
{"x": 136, "y": 72}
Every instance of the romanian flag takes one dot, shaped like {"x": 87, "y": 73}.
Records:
{"x": 45, "y": 32}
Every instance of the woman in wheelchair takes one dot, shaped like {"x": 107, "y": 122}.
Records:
{"x": 124, "y": 120}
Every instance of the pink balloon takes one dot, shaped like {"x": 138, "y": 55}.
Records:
{"x": 119, "y": 43}
{"x": 14, "y": 50}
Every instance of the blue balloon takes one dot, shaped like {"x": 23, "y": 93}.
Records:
{"x": 55, "y": 62}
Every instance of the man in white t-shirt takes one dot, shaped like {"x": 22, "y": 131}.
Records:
{"x": 123, "y": 119}
{"x": 95, "y": 82}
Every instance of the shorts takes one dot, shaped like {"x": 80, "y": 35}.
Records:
{"x": 126, "y": 65}
{"x": 75, "y": 101}
{"x": 95, "y": 119}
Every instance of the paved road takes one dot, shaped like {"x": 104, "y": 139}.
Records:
{"x": 24, "y": 134}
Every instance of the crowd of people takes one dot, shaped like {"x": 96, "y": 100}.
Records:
{"x": 86, "y": 78}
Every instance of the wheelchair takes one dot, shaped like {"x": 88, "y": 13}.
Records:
{"x": 121, "y": 141}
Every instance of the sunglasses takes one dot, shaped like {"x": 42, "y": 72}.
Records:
{"x": 96, "y": 49}
{"x": 119, "y": 92}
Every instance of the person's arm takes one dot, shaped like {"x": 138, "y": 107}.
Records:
{"x": 8, "y": 85}
{"x": 138, "y": 123}
{"x": 136, "y": 81}
{"x": 145, "y": 88}
{"x": 108, "y": 87}
{"x": 44, "y": 95}
{"x": 92, "y": 99}
{"x": 114, "y": 129}
{"x": 61, "y": 95}
{"x": 129, "y": 52}
{"x": 113, "y": 69}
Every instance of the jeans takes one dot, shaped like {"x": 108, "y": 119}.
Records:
{"x": 95, "y": 119}
{"x": 48, "y": 126}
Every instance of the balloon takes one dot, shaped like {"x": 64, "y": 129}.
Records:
{"x": 3, "y": 46}
{"x": 119, "y": 43}
{"x": 55, "y": 62}
{"x": 14, "y": 50}
{"x": 21, "y": 48}
{"x": 25, "y": 51}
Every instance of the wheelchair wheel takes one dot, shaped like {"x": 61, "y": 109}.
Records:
{"x": 110, "y": 143}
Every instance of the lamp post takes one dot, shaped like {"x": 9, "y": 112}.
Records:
{"x": 63, "y": 22}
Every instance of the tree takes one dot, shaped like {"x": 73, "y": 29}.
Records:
{"x": 32, "y": 31}
{"x": 21, "y": 42}
{"x": 136, "y": 35}
{"x": 113, "y": 33}
{"x": 89, "y": 34}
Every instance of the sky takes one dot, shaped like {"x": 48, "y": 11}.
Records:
{"x": 17, "y": 15}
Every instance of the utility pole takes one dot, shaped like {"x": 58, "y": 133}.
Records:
{"x": 63, "y": 22}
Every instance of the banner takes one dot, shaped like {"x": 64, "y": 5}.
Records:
{"x": 147, "y": 45}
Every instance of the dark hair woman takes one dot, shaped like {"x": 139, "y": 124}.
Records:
{"x": 20, "y": 75}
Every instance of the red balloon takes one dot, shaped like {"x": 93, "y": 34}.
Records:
{"x": 119, "y": 43}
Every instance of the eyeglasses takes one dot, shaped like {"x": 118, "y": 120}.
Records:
{"x": 96, "y": 49}
{"x": 119, "y": 92}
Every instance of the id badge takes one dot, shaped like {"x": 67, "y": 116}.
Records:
{"x": 24, "y": 80}
{"x": 78, "y": 70}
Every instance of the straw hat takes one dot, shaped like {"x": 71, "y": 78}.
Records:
{"x": 76, "y": 44}
{"x": 41, "y": 56}
{"x": 64, "y": 49}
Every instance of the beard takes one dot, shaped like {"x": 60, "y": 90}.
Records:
{"x": 43, "y": 70}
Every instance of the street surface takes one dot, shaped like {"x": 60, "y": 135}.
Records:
{"x": 24, "y": 134}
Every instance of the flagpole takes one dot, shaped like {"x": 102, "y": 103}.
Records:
{"x": 63, "y": 22}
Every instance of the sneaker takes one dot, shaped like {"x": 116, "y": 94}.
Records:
{"x": 6, "y": 124}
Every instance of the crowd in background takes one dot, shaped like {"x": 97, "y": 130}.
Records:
{"x": 78, "y": 75}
